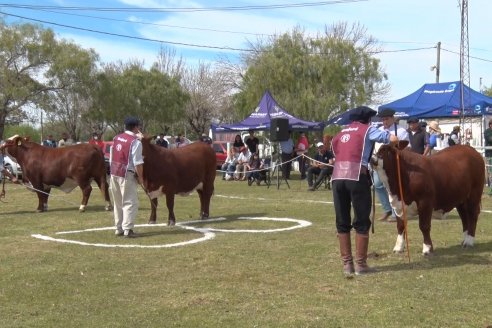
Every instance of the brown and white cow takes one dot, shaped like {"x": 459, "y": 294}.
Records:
{"x": 63, "y": 168}
{"x": 178, "y": 171}
{"x": 452, "y": 178}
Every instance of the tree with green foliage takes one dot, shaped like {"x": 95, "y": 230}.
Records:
{"x": 313, "y": 78}
{"x": 73, "y": 71}
{"x": 130, "y": 90}
{"x": 26, "y": 53}
{"x": 488, "y": 91}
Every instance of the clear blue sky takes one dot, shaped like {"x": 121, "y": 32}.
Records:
{"x": 400, "y": 25}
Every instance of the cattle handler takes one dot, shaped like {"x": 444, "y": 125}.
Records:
{"x": 126, "y": 172}
{"x": 351, "y": 186}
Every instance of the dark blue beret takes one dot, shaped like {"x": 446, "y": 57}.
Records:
{"x": 386, "y": 112}
{"x": 361, "y": 113}
{"x": 412, "y": 120}
{"x": 132, "y": 121}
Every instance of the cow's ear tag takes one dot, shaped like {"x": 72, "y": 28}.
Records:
{"x": 19, "y": 143}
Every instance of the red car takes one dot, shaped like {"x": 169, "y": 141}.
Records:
{"x": 220, "y": 149}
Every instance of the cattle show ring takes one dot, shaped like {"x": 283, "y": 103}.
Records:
{"x": 264, "y": 255}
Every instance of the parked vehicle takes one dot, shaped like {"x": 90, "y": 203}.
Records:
{"x": 220, "y": 149}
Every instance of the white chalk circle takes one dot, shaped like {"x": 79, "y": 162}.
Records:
{"x": 207, "y": 235}
{"x": 299, "y": 224}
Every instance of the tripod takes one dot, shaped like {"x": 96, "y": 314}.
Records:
{"x": 276, "y": 166}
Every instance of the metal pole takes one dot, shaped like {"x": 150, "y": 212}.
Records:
{"x": 438, "y": 63}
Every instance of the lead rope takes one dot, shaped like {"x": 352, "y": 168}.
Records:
{"x": 373, "y": 204}
{"x": 405, "y": 225}
{"x": 2, "y": 194}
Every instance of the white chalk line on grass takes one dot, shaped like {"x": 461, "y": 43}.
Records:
{"x": 300, "y": 224}
{"x": 209, "y": 233}
{"x": 270, "y": 199}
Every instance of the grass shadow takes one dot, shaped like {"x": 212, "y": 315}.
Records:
{"x": 443, "y": 257}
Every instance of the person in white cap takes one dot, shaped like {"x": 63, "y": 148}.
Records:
{"x": 319, "y": 166}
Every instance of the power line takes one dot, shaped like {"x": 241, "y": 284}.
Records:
{"x": 183, "y": 9}
{"x": 153, "y": 24}
{"x": 208, "y": 46}
{"x": 477, "y": 58}
{"x": 128, "y": 36}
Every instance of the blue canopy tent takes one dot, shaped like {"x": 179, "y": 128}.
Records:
{"x": 267, "y": 109}
{"x": 436, "y": 100}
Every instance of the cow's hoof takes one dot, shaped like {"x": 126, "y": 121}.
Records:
{"x": 171, "y": 222}
{"x": 398, "y": 251}
{"x": 108, "y": 208}
{"x": 152, "y": 221}
{"x": 204, "y": 217}
{"x": 39, "y": 211}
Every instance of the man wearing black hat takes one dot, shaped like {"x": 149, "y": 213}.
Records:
{"x": 126, "y": 166}
{"x": 352, "y": 148}
{"x": 419, "y": 141}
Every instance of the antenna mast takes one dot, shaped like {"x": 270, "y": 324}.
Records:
{"x": 464, "y": 66}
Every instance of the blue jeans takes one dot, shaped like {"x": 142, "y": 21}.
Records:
{"x": 382, "y": 194}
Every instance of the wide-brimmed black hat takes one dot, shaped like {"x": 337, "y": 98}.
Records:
{"x": 412, "y": 120}
{"x": 386, "y": 112}
{"x": 131, "y": 122}
{"x": 361, "y": 113}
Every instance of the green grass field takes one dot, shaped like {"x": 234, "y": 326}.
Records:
{"x": 289, "y": 278}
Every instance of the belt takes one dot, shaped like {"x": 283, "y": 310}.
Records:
{"x": 364, "y": 170}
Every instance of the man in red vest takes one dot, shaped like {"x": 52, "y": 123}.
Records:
{"x": 351, "y": 186}
{"x": 126, "y": 167}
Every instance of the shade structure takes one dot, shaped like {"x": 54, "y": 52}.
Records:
{"x": 435, "y": 100}
{"x": 260, "y": 118}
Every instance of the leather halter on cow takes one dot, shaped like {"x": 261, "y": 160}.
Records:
{"x": 452, "y": 178}
{"x": 62, "y": 168}
{"x": 178, "y": 171}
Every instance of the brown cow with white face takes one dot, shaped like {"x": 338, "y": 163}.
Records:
{"x": 178, "y": 171}
{"x": 452, "y": 178}
{"x": 63, "y": 168}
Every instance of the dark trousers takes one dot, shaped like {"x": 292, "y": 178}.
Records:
{"x": 302, "y": 166}
{"x": 347, "y": 193}
{"x": 320, "y": 172}
{"x": 287, "y": 166}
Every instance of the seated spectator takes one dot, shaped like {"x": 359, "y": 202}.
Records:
{"x": 161, "y": 141}
{"x": 253, "y": 169}
{"x": 95, "y": 140}
{"x": 319, "y": 166}
{"x": 172, "y": 142}
{"x": 205, "y": 138}
{"x": 238, "y": 143}
{"x": 49, "y": 142}
{"x": 230, "y": 163}
{"x": 179, "y": 141}
{"x": 434, "y": 135}
{"x": 64, "y": 141}
{"x": 242, "y": 161}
